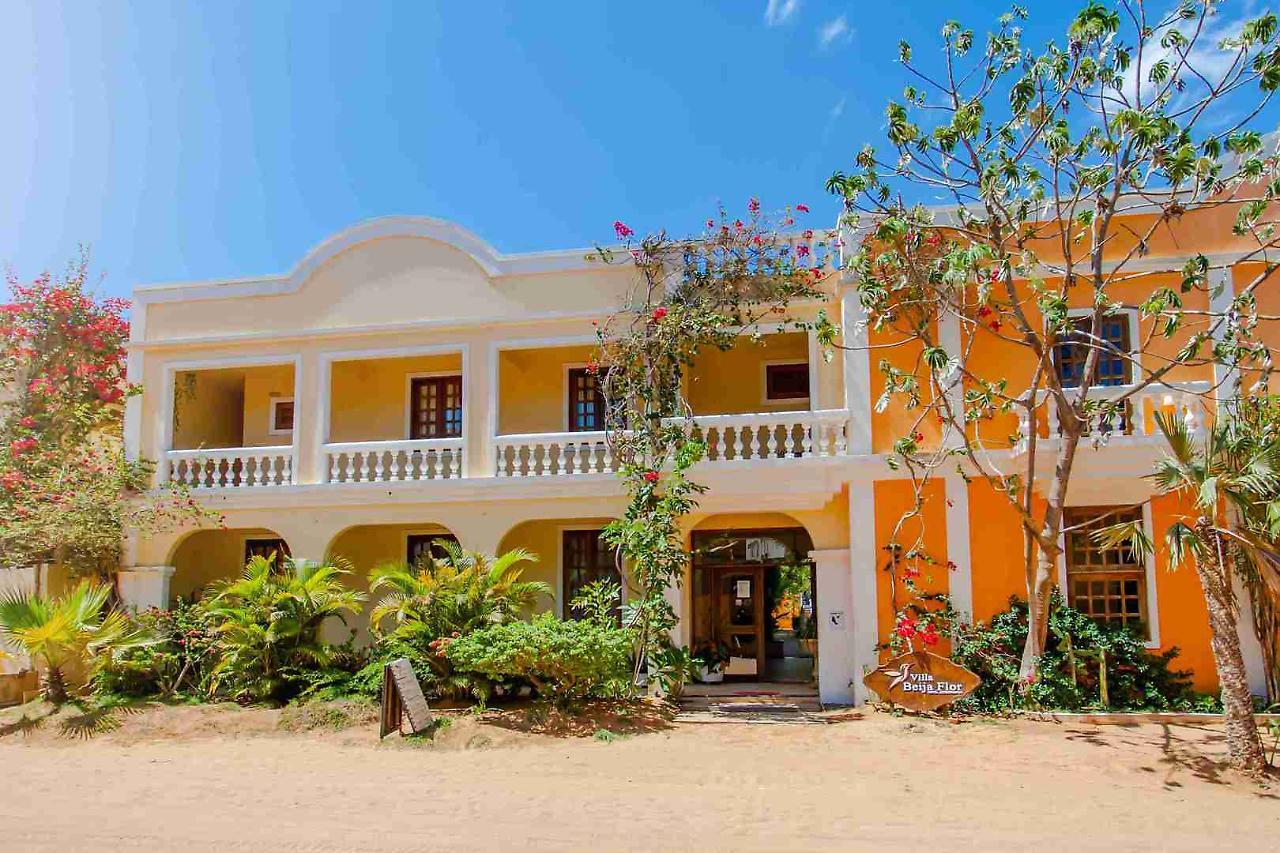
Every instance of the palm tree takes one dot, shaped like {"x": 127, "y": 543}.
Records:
{"x": 1238, "y": 468}
{"x": 268, "y": 622}
{"x": 458, "y": 592}
{"x": 57, "y": 632}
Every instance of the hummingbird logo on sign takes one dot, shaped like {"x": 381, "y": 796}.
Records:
{"x": 898, "y": 675}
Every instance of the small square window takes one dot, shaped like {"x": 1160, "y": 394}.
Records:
{"x": 786, "y": 381}
{"x": 282, "y": 416}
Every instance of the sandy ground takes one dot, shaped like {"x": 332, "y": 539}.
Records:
{"x": 197, "y": 779}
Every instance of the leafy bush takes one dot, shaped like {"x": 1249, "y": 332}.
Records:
{"x": 1069, "y": 679}
{"x": 267, "y": 625}
{"x": 178, "y": 660}
{"x": 564, "y": 660}
{"x": 439, "y": 599}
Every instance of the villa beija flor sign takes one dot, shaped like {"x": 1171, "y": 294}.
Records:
{"x": 921, "y": 681}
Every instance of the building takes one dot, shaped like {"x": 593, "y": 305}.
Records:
{"x": 405, "y": 382}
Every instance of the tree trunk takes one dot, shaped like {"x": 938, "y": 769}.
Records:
{"x": 1039, "y": 591}
{"x": 55, "y": 686}
{"x": 1243, "y": 741}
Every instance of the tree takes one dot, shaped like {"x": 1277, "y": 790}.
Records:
{"x": 57, "y": 632}
{"x": 689, "y": 295}
{"x": 1233, "y": 472}
{"x": 1063, "y": 166}
{"x": 68, "y": 492}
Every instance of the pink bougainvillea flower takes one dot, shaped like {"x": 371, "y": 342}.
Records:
{"x": 737, "y": 223}
{"x": 659, "y": 313}
{"x": 803, "y": 250}
{"x": 808, "y": 234}
{"x": 929, "y": 636}
{"x": 754, "y": 205}
{"x": 803, "y": 208}
{"x": 651, "y": 476}
{"x": 711, "y": 223}
{"x": 620, "y": 228}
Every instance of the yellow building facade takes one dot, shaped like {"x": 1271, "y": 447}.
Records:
{"x": 406, "y": 382}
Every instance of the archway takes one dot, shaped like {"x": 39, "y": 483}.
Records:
{"x": 206, "y": 556}
{"x": 753, "y": 597}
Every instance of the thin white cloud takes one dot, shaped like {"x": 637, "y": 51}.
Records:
{"x": 833, "y": 31}
{"x": 838, "y": 109}
{"x": 780, "y": 11}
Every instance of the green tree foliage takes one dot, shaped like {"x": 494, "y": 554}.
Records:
{"x": 268, "y": 622}
{"x": 59, "y": 633}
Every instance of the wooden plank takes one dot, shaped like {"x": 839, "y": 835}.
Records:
{"x": 402, "y": 697}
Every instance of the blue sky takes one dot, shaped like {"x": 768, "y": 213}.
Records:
{"x": 203, "y": 140}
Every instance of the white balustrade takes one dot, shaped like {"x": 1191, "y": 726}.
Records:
{"x": 780, "y": 435}
{"x": 729, "y": 438}
{"x": 393, "y": 461}
{"x": 231, "y": 467}
{"x": 553, "y": 453}
{"x": 1186, "y": 400}
{"x": 819, "y": 250}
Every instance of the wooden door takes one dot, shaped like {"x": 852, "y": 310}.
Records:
{"x": 738, "y": 618}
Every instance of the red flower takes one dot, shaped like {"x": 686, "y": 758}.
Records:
{"x": 754, "y": 205}
{"x": 737, "y": 223}
{"x": 984, "y": 310}
{"x": 918, "y": 436}
{"x": 929, "y": 636}
{"x": 808, "y": 234}
{"x": 621, "y": 229}
{"x": 906, "y": 627}
{"x": 592, "y": 367}
{"x": 995, "y": 325}
{"x": 802, "y": 250}
{"x": 659, "y": 313}
{"x": 803, "y": 208}
{"x": 651, "y": 476}
{"x": 27, "y": 422}
{"x": 911, "y": 572}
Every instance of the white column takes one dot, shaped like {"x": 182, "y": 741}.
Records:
{"x": 144, "y": 587}
{"x": 675, "y": 597}
{"x": 949, "y": 339}
{"x": 311, "y": 417}
{"x": 1250, "y": 649}
{"x": 480, "y": 408}
{"x": 1225, "y": 377}
{"x": 837, "y": 664}
{"x": 857, "y": 368}
{"x": 863, "y": 571}
{"x": 961, "y": 577}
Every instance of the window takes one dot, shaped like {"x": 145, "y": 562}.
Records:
{"x": 281, "y": 415}
{"x": 422, "y": 543}
{"x": 1108, "y": 584}
{"x": 1113, "y": 363}
{"x": 587, "y": 559}
{"x": 586, "y": 401}
{"x": 435, "y": 407}
{"x": 275, "y": 550}
{"x": 786, "y": 381}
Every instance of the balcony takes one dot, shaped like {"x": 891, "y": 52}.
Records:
{"x": 1135, "y": 424}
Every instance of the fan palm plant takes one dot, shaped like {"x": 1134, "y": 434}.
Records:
{"x": 1231, "y": 477}
{"x": 268, "y": 623}
{"x": 455, "y": 593}
{"x": 59, "y": 632}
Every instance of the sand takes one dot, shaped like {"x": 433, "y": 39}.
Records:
{"x": 197, "y": 779}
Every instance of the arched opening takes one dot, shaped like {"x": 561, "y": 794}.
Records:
{"x": 367, "y": 546}
{"x": 753, "y": 597}
{"x": 206, "y": 556}
{"x": 570, "y": 555}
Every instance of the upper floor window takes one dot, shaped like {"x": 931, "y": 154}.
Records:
{"x": 420, "y": 545}
{"x": 1108, "y": 584}
{"x": 586, "y": 401}
{"x": 281, "y": 415}
{"x": 435, "y": 407}
{"x": 786, "y": 381}
{"x": 1113, "y": 366}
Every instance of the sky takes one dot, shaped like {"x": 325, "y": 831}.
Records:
{"x": 199, "y": 140}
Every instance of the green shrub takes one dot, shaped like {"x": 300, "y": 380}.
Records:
{"x": 1069, "y": 673}
{"x": 564, "y": 660}
{"x": 177, "y": 661}
{"x": 267, "y": 624}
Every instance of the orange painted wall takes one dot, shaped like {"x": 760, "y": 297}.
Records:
{"x": 893, "y": 499}
{"x": 1184, "y": 619}
{"x": 995, "y": 551}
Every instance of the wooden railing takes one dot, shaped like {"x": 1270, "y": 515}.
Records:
{"x": 393, "y": 461}
{"x": 230, "y": 467}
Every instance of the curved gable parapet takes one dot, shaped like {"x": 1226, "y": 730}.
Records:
{"x": 493, "y": 263}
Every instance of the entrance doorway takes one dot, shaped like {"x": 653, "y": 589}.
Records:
{"x": 754, "y": 599}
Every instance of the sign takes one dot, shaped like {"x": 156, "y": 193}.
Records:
{"x": 742, "y": 589}
{"x": 836, "y": 619}
{"x": 921, "y": 681}
{"x": 402, "y": 697}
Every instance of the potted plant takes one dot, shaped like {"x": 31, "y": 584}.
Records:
{"x": 711, "y": 658}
